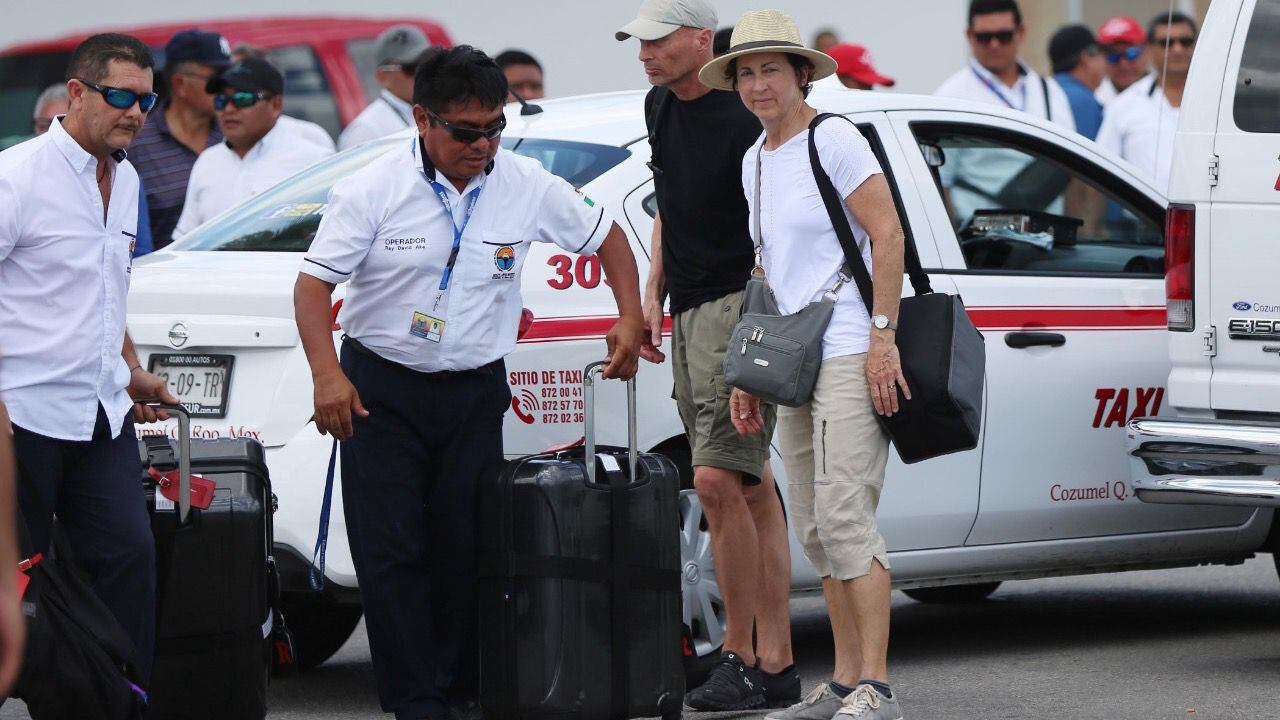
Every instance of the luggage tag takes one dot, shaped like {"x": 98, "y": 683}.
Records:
{"x": 23, "y": 568}
{"x": 167, "y": 487}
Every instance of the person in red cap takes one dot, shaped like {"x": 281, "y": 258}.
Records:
{"x": 854, "y": 68}
{"x": 1125, "y": 43}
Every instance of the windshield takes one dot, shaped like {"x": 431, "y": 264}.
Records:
{"x": 285, "y": 218}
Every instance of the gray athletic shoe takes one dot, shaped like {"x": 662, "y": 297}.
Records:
{"x": 866, "y": 703}
{"x": 819, "y": 704}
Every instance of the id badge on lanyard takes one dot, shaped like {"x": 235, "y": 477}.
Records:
{"x": 431, "y": 326}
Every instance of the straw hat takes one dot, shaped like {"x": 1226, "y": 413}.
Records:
{"x": 760, "y": 31}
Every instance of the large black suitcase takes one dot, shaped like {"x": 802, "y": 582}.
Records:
{"x": 579, "y": 596}
{"x": 216, "y": 582}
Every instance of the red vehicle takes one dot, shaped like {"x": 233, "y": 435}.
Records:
{"x": 327, "y": 62}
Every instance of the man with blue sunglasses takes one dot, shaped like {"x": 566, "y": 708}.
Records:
{"x": 1124, "y": 45}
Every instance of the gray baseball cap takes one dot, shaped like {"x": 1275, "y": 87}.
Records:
{"x": 400, "y": 44}
{"x": 659, "y": 18}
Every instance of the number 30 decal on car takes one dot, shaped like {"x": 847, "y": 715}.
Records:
{"x": 586, "y": 272}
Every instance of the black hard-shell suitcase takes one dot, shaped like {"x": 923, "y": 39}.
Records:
{"x": 579, "y": 595}
{"x": 216, "y": 582}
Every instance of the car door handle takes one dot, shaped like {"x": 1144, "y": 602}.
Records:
{"x": 1021, "y": 340}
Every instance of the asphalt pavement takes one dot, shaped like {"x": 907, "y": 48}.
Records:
{"x": 1200, "y": 643}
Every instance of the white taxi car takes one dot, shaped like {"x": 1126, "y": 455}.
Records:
{"x": 1056, "y": 249}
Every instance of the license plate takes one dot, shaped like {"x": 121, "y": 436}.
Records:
{"x": 200, "y": 382}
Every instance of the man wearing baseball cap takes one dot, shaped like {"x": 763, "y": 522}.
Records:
{"x": 702, "y": 255}
{"x": 854, "y": 68}
{"x": 397, "y": 51}
{"x": 261, "y": 146}
{"x": 1125, "y": 44}
{"x": 177, "y": 132}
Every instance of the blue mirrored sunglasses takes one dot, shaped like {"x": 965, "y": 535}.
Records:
{"x": 122, "y": 99}
{"x": 1131, "y": 54}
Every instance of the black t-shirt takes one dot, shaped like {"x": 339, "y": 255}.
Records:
{"x": 697, "y": 148}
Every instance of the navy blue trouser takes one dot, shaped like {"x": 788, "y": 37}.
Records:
{"x": 94, "y": 487}
{"x": 409, "y": 480}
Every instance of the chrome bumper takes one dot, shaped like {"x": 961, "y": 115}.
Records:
{"x": 1204, "y": 462}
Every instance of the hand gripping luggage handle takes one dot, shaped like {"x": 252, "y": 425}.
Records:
{"x": 588, "y": 416}
{"x": 184, "y": 457}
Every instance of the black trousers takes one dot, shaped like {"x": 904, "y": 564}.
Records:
{"x": 409, "y": 480}
{"x": 94, "y": 487}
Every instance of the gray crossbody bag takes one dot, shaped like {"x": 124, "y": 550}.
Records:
{"x": 773, "y": 356}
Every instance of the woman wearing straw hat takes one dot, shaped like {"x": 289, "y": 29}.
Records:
{"x": 833, "y": 447}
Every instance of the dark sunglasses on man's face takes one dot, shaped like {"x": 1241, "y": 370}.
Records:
{"x": 122, "y": 99}
{"x": 1185, "y": 42}
{"x": 467, "y": 136}
{"x": 1131, "y": 54}
{"x": 1004, "y": 37}
{"x": 241, "y": 99}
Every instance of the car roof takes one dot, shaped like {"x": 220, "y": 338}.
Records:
{"x": 617, "y": 118}
{"x": 265, "y": 31}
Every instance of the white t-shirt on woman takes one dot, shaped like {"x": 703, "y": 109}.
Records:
{"x": 801, "y": 251}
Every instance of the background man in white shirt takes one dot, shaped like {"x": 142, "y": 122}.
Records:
{"x": 262, "y": 146}
{"x": 1140, "y": 124}
{"x": 51, "y": 103}
{"x": 397, "y": 51}
{"x": 70, "y": 375}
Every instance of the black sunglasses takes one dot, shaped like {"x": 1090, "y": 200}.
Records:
{"x": 467, "y": 136}
{"x": 1004, "y": 37}
{"x": 122, "y": 99}
{"x": 1185, "y": 42}
{"x": 241, "y": 99}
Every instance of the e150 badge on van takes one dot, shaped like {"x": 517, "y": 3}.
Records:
{"x": 1253, "y": 329}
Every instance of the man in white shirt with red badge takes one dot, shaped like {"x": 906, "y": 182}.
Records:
{"x": 431, "y": 239}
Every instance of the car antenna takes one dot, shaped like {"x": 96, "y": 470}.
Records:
{"x": 526, "y": 108}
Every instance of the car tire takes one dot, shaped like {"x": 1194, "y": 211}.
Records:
{"x": 953, "y": 594}
{"x": 703, "y": 605}
{"x": 320, "y": 627}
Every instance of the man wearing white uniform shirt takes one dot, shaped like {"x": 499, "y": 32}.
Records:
{"x": 431, "y": 239}
{"x": 397, "y": 52}
{"x": 1125, "y": 44}
{"x": 1141, "y": 122}
{"x": 262, "y": 146}
{"x": 68, "y": 370}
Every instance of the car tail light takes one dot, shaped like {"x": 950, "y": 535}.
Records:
{"x": 1179, "y": 266}
{"x": 526, "y": 322}
{"x": 336, "y": 307}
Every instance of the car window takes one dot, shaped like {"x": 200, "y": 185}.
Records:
{"x": 1018, "y": 204}
{"x": 306, "y": 90}
{"x": 285, "y": 218}
{"x": 1258, "y": 85}
{"x": 361, "y": 52}
{"x": 22, "y": 79}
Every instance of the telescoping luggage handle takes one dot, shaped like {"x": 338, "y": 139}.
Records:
{"x": 588, "y": 416}
{"x": 184, "y": 458}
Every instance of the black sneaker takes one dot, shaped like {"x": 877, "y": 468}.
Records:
{"x": 782, "y": 689}
{"x": 731, "y": 686}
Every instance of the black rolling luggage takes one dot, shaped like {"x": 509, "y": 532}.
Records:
{"x": 216, "y": 581}
{"x": 579, "y": 596}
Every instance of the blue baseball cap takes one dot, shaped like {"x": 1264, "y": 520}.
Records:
{"x": 198, "y": 46}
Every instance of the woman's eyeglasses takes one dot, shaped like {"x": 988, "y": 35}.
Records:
{"x": 241, "y": 99}
{"x": 122, "y": 99}
{"x": 467, "y": 136}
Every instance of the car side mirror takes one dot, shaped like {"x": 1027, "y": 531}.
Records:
{"x": 933, "y": 155}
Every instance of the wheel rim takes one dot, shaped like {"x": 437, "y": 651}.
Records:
{"x": 703, "y": 604}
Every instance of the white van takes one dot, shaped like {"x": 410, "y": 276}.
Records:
{"x": 1222, "y": 252}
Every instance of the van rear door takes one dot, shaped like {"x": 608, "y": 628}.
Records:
{"x": 1244, "y": 223}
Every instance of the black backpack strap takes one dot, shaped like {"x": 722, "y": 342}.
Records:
{"x": 1048, "y": 110}
{"x": 835, "y": 210}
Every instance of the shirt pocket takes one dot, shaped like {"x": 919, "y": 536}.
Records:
{"x": 500, "y": 254}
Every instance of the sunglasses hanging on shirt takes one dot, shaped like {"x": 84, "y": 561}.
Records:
{"x": 241, "y": 99}
{"x": 122, "y": 99}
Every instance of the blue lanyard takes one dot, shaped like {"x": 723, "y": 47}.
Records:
{"x": 994, "y": 89}
{"x": 472, "y": 198}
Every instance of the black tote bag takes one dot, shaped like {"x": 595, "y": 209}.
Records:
{"x": 943, "y": 355}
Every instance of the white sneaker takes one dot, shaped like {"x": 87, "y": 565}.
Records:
{"x": 820, "y": 704}
{"x": 866, "y": 703}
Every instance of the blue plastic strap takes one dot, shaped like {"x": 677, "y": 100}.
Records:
{"x": 316, "y": 576}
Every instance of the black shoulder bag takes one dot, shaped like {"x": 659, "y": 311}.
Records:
{"x": 943, "y": 354}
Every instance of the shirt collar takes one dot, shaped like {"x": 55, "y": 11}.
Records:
{"x": 402, "y": 108}
{"x": 77, "y": 156}
{"x": 990, "y": 76}
{"x": 161, "y": 124}
{"x": 428, "y": 168}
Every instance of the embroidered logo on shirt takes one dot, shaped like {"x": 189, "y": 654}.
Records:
{"x": 505, "y": 260}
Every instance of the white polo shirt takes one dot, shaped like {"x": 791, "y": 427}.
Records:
{"x": 380, "y": 118}
{"x": 1139, "y": 126}
{"x": 387, "y": 234}
{"x": 1107, "y": 92}
{"x": 221, "y": 179}
{"x": 976, "y": 83}
{"x": 64, "y": 275}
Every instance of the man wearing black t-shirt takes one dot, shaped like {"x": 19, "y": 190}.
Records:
{"x": 702, "y": 256}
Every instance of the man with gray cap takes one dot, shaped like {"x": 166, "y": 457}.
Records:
{"x": 397, "y": 52}
{"x": 701, "y": 257}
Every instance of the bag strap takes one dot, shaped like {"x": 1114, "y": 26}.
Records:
{"x": 844, "y": 233}
{"x": 316, "y": 576}
{"x": 756, "y": 237}
{"x": 1048, "y": 111}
